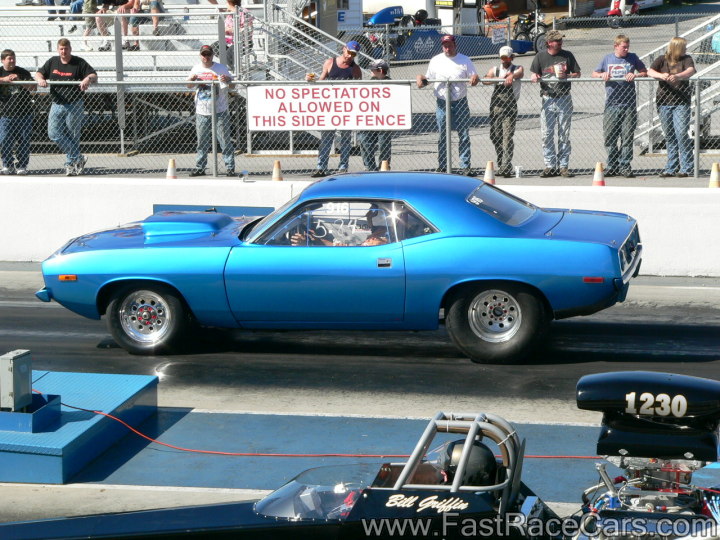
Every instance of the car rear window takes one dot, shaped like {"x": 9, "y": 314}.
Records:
{"x": 502, "y": 206}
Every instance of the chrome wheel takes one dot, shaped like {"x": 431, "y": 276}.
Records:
{"x": 494, "y": 316}
{"x": 145, "y": 317}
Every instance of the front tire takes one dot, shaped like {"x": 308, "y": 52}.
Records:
{"x": 147, "y": 319}
{"x": 540, "y": 43}
{"x": 496, "y": 323}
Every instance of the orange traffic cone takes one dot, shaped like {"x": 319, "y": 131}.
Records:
{"x": 277, "y": 173}
{"x": 385, "y": 165}
{"x": 171, "y": 171}
{"x": 489, "y": 173}
{"x": 715, "y": 176}
{"x": 599, "y": 178}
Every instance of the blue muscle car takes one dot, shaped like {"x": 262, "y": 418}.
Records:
{"x": 371, "y": 251}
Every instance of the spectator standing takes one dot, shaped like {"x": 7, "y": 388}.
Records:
{"x": 673, "y": 70}
{"x": 16, "y": 115}
{"x": 503, "y": 108}
{"x": 68, "y": 108}
{"x": 372, "y": 141}
{"x": 551, "y": 68}
{"x": 618, "y": 70}
{"x": 446, "y": 66}
{"x": 245, "y": 26}
{"x": 208, "y": 70}
{"x": 339, "y": 68}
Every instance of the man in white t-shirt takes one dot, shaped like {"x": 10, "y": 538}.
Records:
{"x": 208, "y": 70}
{"x": 446, "y": 66}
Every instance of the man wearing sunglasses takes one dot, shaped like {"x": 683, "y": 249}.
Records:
{"x": 342, "y": 67}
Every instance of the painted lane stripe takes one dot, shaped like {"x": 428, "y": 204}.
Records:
{"x": 55, "y": 335}
{"x": 361, "y": 416}
{"x": 245, "y": 493}
{"x": 28, "y": 304}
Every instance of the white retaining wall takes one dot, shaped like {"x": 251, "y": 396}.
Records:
{"x": 678, "y": 226}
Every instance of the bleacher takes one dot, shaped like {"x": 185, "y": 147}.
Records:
{"x": 183, "y": 29}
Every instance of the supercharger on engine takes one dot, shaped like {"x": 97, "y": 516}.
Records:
{"x": 657, "y": 430}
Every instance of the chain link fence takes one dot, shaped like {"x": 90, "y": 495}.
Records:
{"x": 141, "y": 113}
{"x": 134, "y": 128}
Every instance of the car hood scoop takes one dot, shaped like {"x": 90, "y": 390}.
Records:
{"x": 162, "y": 228}
{"x": 182, "y": 223}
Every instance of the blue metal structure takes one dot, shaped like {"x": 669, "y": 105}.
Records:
{"x": 56, "y": 450}
{"x": 499, "y": 267}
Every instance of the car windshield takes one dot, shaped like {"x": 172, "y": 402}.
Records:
{"x": 320, "y": 493}
{"x": 253, "y": 232}
{"x": 502, "y": 206}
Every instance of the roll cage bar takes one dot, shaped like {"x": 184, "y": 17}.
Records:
{"x": 474, "y": 426}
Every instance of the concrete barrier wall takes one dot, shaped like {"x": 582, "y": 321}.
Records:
{"x": 38, "y": 215}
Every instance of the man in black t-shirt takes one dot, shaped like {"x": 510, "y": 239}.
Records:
{"x": 67, "y": 110}
{"x": 16, "y": 115}
{"x": 551, "y": 68}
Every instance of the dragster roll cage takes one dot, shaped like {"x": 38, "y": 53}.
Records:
{"x": 475, "y": 426}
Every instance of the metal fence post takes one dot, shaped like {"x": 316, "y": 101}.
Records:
{"x": 698, "y": 134}
{"x": 119, "y": 75}
{"x": 213, "y": 126}
{"x": 222, "y": 47}
{"x": 237, "y": 41}
{"x": 677, "y": 25}
{"x": 448, "y": 130}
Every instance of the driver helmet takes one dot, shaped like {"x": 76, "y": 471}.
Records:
{"x": 481, "y": 467}
{"x": 420, "y": 16}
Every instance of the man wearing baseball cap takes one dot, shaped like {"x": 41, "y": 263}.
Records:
{"x": 447, "y": 65}
{"x": 503, "y": 108}
{"x": 342, "y": 67}
{"x": 208, "y": 70}
{"x": 552, "y": 68}
{"x": 373, "y": 141}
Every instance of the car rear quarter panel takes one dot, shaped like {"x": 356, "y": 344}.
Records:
{"x": 196, "y": 273}
{"x": 554, "y": 267}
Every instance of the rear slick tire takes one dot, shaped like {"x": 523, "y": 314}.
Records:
{"x": 497, "y": 322}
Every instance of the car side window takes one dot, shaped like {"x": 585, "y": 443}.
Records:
{"x": 348, "y": 223}
{"x": 408, "y": 224}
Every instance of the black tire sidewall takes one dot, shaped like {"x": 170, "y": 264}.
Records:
{"x": 533, "y": 325}
{"x": 172, "y": 339}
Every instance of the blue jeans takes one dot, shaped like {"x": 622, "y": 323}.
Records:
{"x": 203, "y": 128}
{"x": 370, "y": 141}
{"x": 619, "y": 123}
{"x": 52, "y": 3}
{"x": 675, "y": 120}
{"x": 65, "y": 127}
{"x": 459, "y": 121}
{"x": 326, "y": 142}
{"x": 556, "y": 114}
{"x": 15, "y": 129}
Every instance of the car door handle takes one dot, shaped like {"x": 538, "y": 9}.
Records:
{"x": 384, "y": 263}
